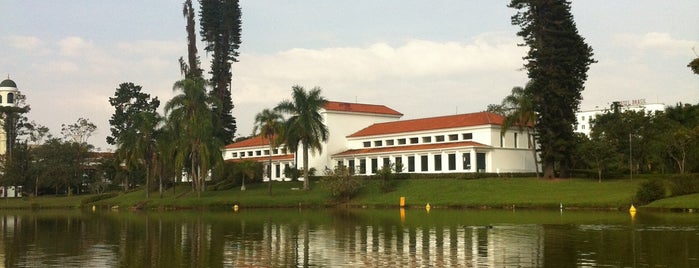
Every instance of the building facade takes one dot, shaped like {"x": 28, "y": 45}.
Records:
{"x": 366, "y": 137}
{"x": 585, "y": 117}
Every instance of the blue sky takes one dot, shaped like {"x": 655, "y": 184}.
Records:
{"x": 422, "y": 58}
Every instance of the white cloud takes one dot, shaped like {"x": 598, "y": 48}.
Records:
{"x": 663, "y": 43}
{"x": 74, "y": 46}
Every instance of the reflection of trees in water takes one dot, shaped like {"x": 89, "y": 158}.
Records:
{"x": 302, "y": 238}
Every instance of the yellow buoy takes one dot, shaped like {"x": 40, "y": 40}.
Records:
{"x": 427, "y": 207}
{"x": 402, "y": 201}
{"x": 632, "y": 209}
{"x": 235, "y": 208}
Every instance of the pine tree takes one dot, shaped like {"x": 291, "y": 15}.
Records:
{"x": 220, "y": 30}
{"x": 557, "y": 65}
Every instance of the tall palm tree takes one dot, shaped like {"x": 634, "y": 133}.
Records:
{"x": 191, "y": 115}
{"x": 518, "y": 110}
{"x": 269, "y": 123}
{"x": 305, "y": 124}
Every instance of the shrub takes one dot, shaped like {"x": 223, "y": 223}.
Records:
{"x": 650, "y": 191}
{"x": 341, "y": 184}
{"x": 683, "y": 184}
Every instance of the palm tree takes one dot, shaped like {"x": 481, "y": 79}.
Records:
{"x": 518, "y": 110}
{"x": 137, "y": 145}
{"x": 305, "y": 124}
{"x": 191, "y": 115}
{"x": 269, "y": 123}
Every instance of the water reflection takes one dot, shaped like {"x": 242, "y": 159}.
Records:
{"x": 369, "y": 238}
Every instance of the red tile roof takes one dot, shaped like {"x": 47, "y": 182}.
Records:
{"x": 432, "y": 123}
{"x": 258, "y": 140}
{"x": 419, "y": 147}
{"x": 360, "y": 108}
{"x": 263, "y": 158}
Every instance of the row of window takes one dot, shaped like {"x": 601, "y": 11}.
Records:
{"x": 10, "y": 98}
{"x": 257, "y": 153}
{"x": 418, "y": 140}
{"x": 410, "y": 166}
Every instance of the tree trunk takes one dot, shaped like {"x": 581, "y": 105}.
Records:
{"x": 532, "y": 145}
{"x": 548, "y": 170}
{"x": 269, "y": 167}
{"x": 306, "y": 185}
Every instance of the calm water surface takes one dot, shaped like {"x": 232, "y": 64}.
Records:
{"x": 348, "y": 238}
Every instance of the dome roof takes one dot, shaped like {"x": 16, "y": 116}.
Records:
{"x": 8, "y": 83}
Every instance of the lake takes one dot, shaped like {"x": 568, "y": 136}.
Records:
{"x": 348, "y": 238}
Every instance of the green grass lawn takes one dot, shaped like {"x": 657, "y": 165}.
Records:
{"x": 489, "y": 192}
{"x": 505, "y": 192}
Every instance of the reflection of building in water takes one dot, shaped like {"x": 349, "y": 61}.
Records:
{"x": 392, "y": 246}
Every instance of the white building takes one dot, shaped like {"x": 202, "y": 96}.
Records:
{"x": 365, "y": 137}
{"x": 585, "y": 117}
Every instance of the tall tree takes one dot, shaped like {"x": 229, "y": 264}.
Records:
{"x": 191, "y": 115}
{"x": 557, "y": 65}
{"x": 128, "y": 103}
{"x": 305, "y": 124}
{"x": 220, "y": 30}
{"x": 190, "y": 69}
{"x": 80, "y": 131}
{"x": 137, "y": 146}
{"x": 269, "y": 124}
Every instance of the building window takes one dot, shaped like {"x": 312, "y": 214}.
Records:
{"x": 378, "y": 143}
{"x": 386, "y": 162}
{"x": 250, "y": 153}
{"x": 467, "y": 136}
{"x": 340, "y": 163}
{"x": 413, "y": 140}
{"x": 367, "y": 144}
{"x": 438, "y": 162}
{"x": 258, "y": 152}
{"x": 399, "y": 164}
{"x": 234, "y": 154}
{"x": 467, "y": 161}
{"x": 266, "y": 152}
{"x": 401, "y": 141}
{"x": 452, "y": 161}
{"x": 583, "y": 118}
{"x": 427, "y": 139}
{"x": 502, "y": 140}
{"x": 276, "y": 151}
{"x": 439, "y": 138}
{"x": 582, "y": 126}
{"x": 10, "y": 98}
{"x": 423, "y": 163}
{"x": 277, "y": 171}
{"x": 362, "y": 166}
{"x": 389, "y": 142}
{"x": 351, "y": 167}
{"x": 283, "y": 150}
{"x": 453, "y": 137}
{"x": 411, "y": 164}
{"x": 515, "y": 140}
{"x": 374, "y": 165}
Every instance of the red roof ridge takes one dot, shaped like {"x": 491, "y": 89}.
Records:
{"x": 431, "y": 123}
{"x": 360, "y": 108}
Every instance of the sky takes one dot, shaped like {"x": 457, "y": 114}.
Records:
{"x": 422, "y": 58}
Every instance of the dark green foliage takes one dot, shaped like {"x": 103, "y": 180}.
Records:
{"x": 220, "y": 30}
{"x": 650, "y": 191}
{"x": 341, "y": 184}
{"x": 128, "y": 100}
{"x": 683, "y": 184}
{"x": 694, "y": 65}
{"x": 557, "y": 65}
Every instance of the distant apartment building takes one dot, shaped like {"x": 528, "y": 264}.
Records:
{"x": 585, "y": 117}
{"x": 366, "y": 137}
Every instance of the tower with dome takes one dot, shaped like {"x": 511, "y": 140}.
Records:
{"x": 9, "y": 95}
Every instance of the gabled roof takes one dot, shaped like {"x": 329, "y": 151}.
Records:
{"x": 432, "y": 123}
{"x": 360, "y": 108}
{"x": 258, "y": 140}
{"x": 406, "y": 148}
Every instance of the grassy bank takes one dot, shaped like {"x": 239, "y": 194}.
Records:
{"x": 481, "y": 193}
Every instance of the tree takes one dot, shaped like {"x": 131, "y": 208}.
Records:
{"x": 191, "y": 68}
{"x": 137, "y": 146}
{"x": 557, "y": 65}
{"x": 269, "y": 123}
{"x": 80, "y": 131}
{"x": 518, "y": 110}
{"x": 190, "y": 114}
{"x": 128, "y": 102}
{"x": 305, "y": 124}
{"x": 220, "y": 30}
